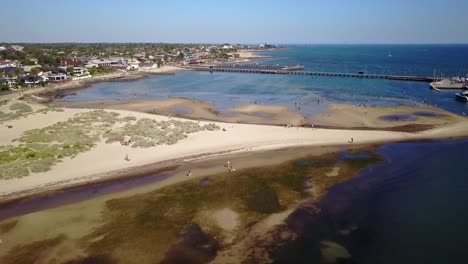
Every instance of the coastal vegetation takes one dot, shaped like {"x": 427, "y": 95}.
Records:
{"x": 147, "y": 132}
{"x": 16, "y": 110}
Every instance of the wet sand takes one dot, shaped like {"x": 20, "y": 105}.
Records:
{"x": 343, "y": 116}
{"x": 248, "y": 114}
{"x": 352, "y": 116}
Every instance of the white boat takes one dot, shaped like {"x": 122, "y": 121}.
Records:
{"x": 463, "y": 96}
{"x": 434, "y": 86}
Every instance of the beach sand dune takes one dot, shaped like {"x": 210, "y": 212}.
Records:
{"x": 105, "y": 160}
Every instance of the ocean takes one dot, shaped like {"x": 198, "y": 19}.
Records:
{"x": 233, "y": 89}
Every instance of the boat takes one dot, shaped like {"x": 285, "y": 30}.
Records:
{"x": 434, "y": 86}
{"x": 463, "y": 96}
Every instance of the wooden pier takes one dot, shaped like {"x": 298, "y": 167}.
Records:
{"x": 299, "y": 70}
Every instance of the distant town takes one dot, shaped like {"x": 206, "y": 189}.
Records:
{"x": 29, "y": 65}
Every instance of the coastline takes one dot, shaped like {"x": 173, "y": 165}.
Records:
{"x": 57, "y": 91}
{"x": 262, "y": 128}
{"x": 236, "y": 139}
{"x": 60, "y": 90}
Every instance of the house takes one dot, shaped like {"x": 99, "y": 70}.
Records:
{"x": 133, "y": 63}
{"x": 7, "y": 63}
{"x": 3, "y": 80}
{"x": 146, "y": 65}
{"x": 2, "y": 48}
{"x": 9, "y": 70}
{"x": 28, "y": 68}
{"x": 106, "y": 62}
{"x": 9, "y": 74}
{"x": 17, "y": 47}
{"x": 80, "y": 71}
{"x": 59, "y": 71}
{"x": 84, "y": 59}
{"x": 57, "y": 77}
{"x": 30, "y": 80}
{"x": 70, "y": 62}
{"x": 201, "y": 53}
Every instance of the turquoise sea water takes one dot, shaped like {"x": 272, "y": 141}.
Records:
{"x": 234, "y": 89}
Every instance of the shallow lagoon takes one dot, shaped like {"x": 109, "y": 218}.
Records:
{"x": 233, "y": 89}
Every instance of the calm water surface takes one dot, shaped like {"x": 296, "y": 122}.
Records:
{"x": 413, "y": 208}
{"x": 234, "y": 89}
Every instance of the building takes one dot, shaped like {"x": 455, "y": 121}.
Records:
{"x": 146, "y": 65}
{"x": 28, "y": 68}
{"x": 84, "y": 59}
{"x": 133, "y": 63}
{"x": 3, "y": 81}
{"x": 201, "y": 53}
{"x": 7, "y": 63}
{"x": 17, "y": 47}
{"x": 57, "y": 77}
{"x": 80, "y": 71}
{"x": 70, "y": 62}
{"x": 31, "y": 80}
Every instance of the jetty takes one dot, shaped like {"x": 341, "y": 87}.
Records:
{"x": 299, "y": 70}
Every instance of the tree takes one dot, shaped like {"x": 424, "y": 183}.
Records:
{"x": 159, "y": 63}
{"x": 4, "y": 87}
{"x": 70, "y": 69}
{"x": 27, "y": 62}
{"x": 34, "y": 72}
{"x": 2, "y": 74}
{"x": 19, "y": 72}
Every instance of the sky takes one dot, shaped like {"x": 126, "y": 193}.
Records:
{"x": 236, "y": 21}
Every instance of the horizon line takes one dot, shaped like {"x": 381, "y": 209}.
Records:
{"x": 220, "y": 43}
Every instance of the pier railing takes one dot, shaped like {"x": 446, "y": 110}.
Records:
{"x": 299, "y": 70}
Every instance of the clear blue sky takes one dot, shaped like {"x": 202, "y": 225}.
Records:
{"x": 235, "y": 21}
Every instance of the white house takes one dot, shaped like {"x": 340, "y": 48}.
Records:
{"x": 17, "y": 47}
{"x": 80, "y": 71}
{"x": 28, "y": 68}
{"x": 7, "y": 63}
{"x": 57, "y": 77}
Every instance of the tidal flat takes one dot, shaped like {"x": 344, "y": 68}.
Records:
{"x": 199, "y": 220}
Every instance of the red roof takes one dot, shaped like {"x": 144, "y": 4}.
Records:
{"x": 6, "y": 62}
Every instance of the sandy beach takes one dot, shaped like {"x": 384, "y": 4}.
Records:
{"x": 107, "y": 160}
{"x": 248, "y": 55}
